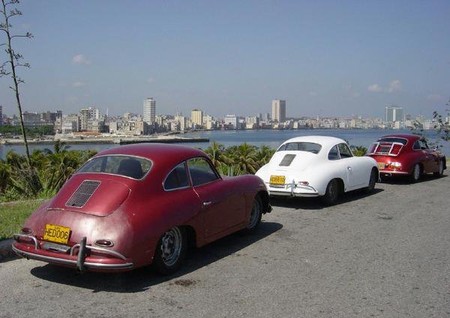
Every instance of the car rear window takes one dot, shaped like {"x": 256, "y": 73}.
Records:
{"x": 388, "y": 146}
{"x": 128, "y": 166}
{"x": 301, "y": 146}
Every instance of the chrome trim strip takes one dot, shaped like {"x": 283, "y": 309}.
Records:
{"x": 97, "y": 249}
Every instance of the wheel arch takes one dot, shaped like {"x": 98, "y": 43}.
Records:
{"x": 191, "y": 235}
{"x": 341, "y": 184}
{"x": 264, "y": 195}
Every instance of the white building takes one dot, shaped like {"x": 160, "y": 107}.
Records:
{"x": 149, "y": 111}
{"x": 279, "y": 110}
{"x": 197, "y": 118}
{"x": 394, "y": 113}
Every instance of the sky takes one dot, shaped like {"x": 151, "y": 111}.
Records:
{"x": 325, "y": 58}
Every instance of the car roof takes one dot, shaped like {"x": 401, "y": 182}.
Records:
{"x": 409, "y": 137}
{"x": 325, "y": 141}
{"x": 158, "y": 153}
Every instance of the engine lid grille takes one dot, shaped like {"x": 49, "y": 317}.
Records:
{"x": 83, "y": 193}
{"x": 287, "y": 160}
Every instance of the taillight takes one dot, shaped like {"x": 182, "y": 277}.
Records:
{"x": 104, "y": 243}
{"x": 26, "y": 231}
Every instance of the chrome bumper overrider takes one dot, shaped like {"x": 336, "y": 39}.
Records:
{"x": 76, "y": 257}
{"x": 292, "y": 190}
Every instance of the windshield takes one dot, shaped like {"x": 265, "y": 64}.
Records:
{"x": 133, "y": 167}
{"x": 301, "y": 146}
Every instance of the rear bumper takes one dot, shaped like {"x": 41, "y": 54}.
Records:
{"x": 290, "y": 190}
{"x": 80, "y": 256}
{"x": 393, "y": 172}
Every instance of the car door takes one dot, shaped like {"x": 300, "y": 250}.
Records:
{"x": 222, "y": 206}
{"x": 357, "y": 174}
{"x": 430, "y": 161}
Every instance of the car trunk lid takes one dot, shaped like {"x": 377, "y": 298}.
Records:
{"x": 288, "y": 160}
{"x": 96, "y": 196}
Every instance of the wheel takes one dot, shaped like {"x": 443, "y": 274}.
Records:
{"x": 171, "y": 251}
{"x": 416, "y": 173}
{"x": 440, "y": 171}
{"x": 332, "y": 193}
{"x": 372, "y": 181}
{"x": 255, "y": 215}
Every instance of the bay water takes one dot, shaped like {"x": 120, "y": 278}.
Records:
{"x": 267, "y": 137}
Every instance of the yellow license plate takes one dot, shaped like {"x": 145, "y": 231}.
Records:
{"x": 277, "y": 180}
{"x": 381, "y": 165}
{"x": 56, "y": 233}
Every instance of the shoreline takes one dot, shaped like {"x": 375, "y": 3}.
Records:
{"x": 106, "y": 140}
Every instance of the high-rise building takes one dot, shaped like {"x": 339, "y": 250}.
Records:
{"x": 279, "y": 110}
{"x": 197, "y": 117}
{"x": 394, "y": 113}
{"x": 149, "y": 111}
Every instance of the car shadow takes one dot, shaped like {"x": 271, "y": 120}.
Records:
{"x": 298, "y": 203}
{"x": 142, "y": 279}
{"x": 405, "y": 179}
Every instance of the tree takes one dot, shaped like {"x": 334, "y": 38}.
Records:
{"x": 244, "y": 158}
{"x": 442, "y": 125}
{"x": 218, "y": 157}
{"x": 14, "y": 60}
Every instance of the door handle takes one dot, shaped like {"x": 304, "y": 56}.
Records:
{"x": 207, "y": 203}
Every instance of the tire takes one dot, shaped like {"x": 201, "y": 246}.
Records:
{"x": 170, "y": 251}
{"x": 331, "y": 195}
{"x": 416, "y": 173}
{"x": 372, "y": 181}
{"x": 440, "y": 171}
{"x": 255, "y": 214}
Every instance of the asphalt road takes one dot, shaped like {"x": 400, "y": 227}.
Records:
{"x": 380, "y": 255}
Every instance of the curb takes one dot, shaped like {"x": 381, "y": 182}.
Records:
{"x": 6, "y": 250}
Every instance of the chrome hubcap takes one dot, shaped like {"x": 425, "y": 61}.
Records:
{"x": 416, "y": 172}
{"x": 256, "y": 210}
{"x": 171, "y": 244}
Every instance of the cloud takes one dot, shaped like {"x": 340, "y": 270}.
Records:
{"x": 78, "y": 84}
{"x": 375, "y": 88}
{"x": 80, "y": 59}
{"x": 394, "y": 86}
{"x": 150, "y": 80}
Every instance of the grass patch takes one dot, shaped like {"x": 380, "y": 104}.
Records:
{"x": 13, "y": 215}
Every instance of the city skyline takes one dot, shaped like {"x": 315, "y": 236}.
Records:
{"x": 323, "y": 58}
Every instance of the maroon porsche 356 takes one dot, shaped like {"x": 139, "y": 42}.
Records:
{"x": 138, "y": 205}
{"x": 407, "y": 155}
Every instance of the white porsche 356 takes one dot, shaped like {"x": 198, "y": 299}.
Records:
{"x": 317, "y": 166}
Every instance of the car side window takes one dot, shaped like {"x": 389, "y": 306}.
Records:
{"x": 420, "y": 144}
{"x": 201, "y": 171}
{"x": 345, "y": 151}
{"x": 177, "y": 178}
{"x": 334, "y": 153}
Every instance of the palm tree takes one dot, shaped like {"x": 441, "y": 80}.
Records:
{"x": 23, "y": 177}
{"x": 217, "y": 154}
{"x": 4, "y": 176}
{"x": 263, "y": 155}
{"x": 58, "y": 147}
{"x": 244, "y": 157}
